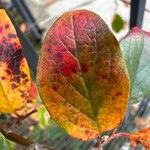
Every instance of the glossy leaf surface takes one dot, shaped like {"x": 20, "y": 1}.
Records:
{"x": 16, "y": 89}
{"x": 136, "y": 51}
{"x": 82, "y": 79}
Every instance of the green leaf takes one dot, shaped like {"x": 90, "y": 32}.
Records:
{"x": 117, "y": 23}
{"x": 42, "y": 118}
{"x": 136, "y": 51}
{"x": 4, "y": 143}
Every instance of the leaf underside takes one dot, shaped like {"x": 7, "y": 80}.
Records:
{"x": 136, "y": 52}
{"x": 81, "y": 76}
{"x": 15, "y": 84}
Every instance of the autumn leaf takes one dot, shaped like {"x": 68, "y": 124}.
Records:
{"x": 81, "y": 75}
{"x": 17, "y": 92}
{"x": 142, "y": 137}
{"x": 136, "y": 52}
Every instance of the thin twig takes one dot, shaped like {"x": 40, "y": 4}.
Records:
{"x": 19, "y": 139}
{"x": 117, "y": 135}
{"x": 15, "y": 137}
{"x": 21, "y": 118}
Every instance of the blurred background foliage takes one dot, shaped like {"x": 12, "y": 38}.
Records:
{"x": 40, "y": 127}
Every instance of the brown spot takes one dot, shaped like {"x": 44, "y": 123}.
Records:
{"x": 7, "y": 26}
{"x": 13, "y": 86}
{"x": 84, "y": 68}
{"x": 16, "y": 79}
{"x": 23, "y": 75}
{"x": 87, "y": 132}
{"x": 10, "y": 35}
{"x": 8, "y": 71}
{"x": 118, "y": 94}
{"x": 55, "y": 88}
{"x": 104, "y": 76}
{"x": 3, "y": 78}
{"x": 23, "y": 94}
{"x": 26, "y": 80}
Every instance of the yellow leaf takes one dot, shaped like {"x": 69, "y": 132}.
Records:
{"x": 82, "y": 78}
{"x": 16, "y": 88}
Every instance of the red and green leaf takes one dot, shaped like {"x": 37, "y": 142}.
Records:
{"x": 81, "y": 77}
{"x": 17, "y": 91}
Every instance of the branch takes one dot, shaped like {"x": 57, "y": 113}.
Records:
{"x": 15, "y": 137}
{"x": 117, "y": 135}
{"x": 19, "y": 139}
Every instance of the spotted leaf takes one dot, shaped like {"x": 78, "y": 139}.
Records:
{"x": 81, "y": 77}
{"x": 16, "y": 88}
{"x": 142, "y": 137}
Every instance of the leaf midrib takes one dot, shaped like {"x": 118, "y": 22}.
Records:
{"x": 77, "y": 56}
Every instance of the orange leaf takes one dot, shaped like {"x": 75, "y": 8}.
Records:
{"x": 82, "y": 79}
{"x": 143, "y": 137}
{"x": 15, "y": 83}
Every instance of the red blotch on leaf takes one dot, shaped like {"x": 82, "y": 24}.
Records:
{"x": 69, "y": 64}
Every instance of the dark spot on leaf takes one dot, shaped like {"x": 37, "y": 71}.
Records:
{"x": 13, "y": 86}
{"x": 23, "y": 75}
{"x": 7, "y": 26}
{"x": 12, "y": 56}
{"x": 26, "y": 80}
{"x": 84, "y": 68}
{"x": 23, "y": 94}
{"x": 104, "y": 76}
{"x": 87, "y": 131}
{"x": 12, "y": 35}
{"x": 8, "y": 71}
{"x": 3, "y": 78}
{"x": 118, "y": 93}
{"x": 55, "y": 88}
{"x": 16, "y": 79}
